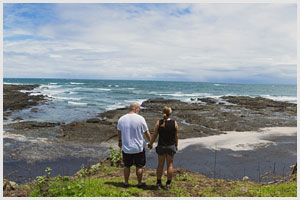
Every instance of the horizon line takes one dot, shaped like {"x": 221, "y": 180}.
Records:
{"x": 185, "y": 81}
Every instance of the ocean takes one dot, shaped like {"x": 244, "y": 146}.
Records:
{"x": 77, "y": 99}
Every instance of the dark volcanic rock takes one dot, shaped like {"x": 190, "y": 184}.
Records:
{"x": 113, "y": 115}
{"x": 207, "y": 100}
{"x": 13, "y": 99}
{"x": 33, "y": 124}
{"x": 89, "y": 132}
{"x": 259, "y": 103}
{"x": 34, "y": 110}
{"x": 198, "y": 120}
{"x": 194, "y": 119}
{"x": 18, "y": 118}
{"x": 93, "y": 120}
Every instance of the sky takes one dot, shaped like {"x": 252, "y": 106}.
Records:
{"x": 231, "y": 43}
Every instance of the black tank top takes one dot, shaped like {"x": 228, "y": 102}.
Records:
{"x": 166, "y": 134}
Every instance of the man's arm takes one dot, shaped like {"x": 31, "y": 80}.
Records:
{"x": 147, "y": 134}
{"x": 120, "y": 139}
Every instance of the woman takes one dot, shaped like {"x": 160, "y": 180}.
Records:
{"x": 167, "y": 129}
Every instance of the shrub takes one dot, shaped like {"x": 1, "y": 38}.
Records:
{"x": 115, "y": 157}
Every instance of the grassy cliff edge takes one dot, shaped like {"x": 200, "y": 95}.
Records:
{"x": 105, "y": 179}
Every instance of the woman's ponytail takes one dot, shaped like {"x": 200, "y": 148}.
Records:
{"x": 166, "y": 114}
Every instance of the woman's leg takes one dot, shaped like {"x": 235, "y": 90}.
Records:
{"x": 170, "y": 167}
{"x": 160, "y": 167}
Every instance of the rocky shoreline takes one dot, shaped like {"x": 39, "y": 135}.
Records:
{"x": 14, "y": 99}
{"x": 201, "y": 118}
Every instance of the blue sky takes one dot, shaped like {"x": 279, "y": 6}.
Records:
{"x": 239, "y": 43}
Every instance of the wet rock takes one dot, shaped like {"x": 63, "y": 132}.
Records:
{"x": 208, "y": 100}
{"x": 93, "y": 120}
{"x": 88, "y": 132}
{"x": 194, "y": 120}
{"x": 32, "y": 125}
{"x": 18, "y": 118}
{"x": 13, "y": 99}
{"x": 259, "y": 103}
{"x": 34, "y": 110}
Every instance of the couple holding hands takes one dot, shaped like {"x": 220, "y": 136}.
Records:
{"x": 131, "y": 128}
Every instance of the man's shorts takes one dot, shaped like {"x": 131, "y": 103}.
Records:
{"x": 170, "y": 150}
{"x": 137, "y": 159}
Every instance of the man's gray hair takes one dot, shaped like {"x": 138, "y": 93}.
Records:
{"x": 134, "y": 105}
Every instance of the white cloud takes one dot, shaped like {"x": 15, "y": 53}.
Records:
{"x": 124, "y": 41}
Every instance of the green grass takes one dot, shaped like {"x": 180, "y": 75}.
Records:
{"x": 276, "y": 190}
{"x": 87, "y": 187}
{"x": 184, "y": 185}
{"x": 104, "y": 180}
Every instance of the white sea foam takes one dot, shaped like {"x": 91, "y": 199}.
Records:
{"x": 49, "y": 86}
{"x": 77, "y": 103}
{"x": 116, "y": 85}
{"x": 140, "y": 101}
{"x": 24, "y": 91}
{"x": 54, "y": 93}
{"x": 53, "y": 83}
{"x": 75, "y": 83}
{"x": 13, "y": 83}
{"x": 67, "y": 98}
{"x": 35, "y": 94}
{"x": 281, "y": 98}
{"x": 180, "y": 94}
{"x": 115, "y": 106}
{"x": 126, "y": 103}
{"x": 103, "y": 89}
{"x": 79, "y": 89}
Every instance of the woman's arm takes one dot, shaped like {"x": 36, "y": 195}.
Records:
{"x": 154, "y": 136}
{"x": 176, "y": 136}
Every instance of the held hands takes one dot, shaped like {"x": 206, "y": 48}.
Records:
{"x": 150, "y": 146}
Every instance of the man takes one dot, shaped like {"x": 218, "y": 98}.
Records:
{"x": 131, "y": 128}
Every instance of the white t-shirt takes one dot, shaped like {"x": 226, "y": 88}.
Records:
{"x": 132, "y": 127}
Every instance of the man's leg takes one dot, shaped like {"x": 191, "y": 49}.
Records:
{"x": 126, "y": 174}
{"x": 139, "y": 174}
{"x": 127, "y": 159}
{"x": 140, "y": 162}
